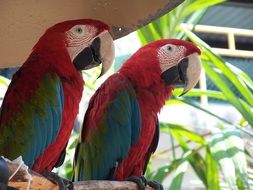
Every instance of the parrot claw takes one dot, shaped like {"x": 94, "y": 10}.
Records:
{"x": 63, "y": 184}
{"x": 155, "y": 185}
{"x": 140, "y": 181}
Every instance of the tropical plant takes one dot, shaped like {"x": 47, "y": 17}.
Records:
{"x": 215, "y": 157}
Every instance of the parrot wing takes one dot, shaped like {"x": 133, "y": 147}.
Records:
{"x": 31, "y": 113}
{"x": 153, "y": 145}
{"x": 111, "y": 126}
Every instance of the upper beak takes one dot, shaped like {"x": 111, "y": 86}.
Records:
{"x": 107, "y": 51}
{"x": 101, "y": 50}
{"x": 186, "y": 73}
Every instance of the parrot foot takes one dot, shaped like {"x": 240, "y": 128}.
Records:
{"x": 63, "y": 184}
{"x": 155, "y": 185}
{"x": 142, "y": 182}
{"x": 139, "y": 180}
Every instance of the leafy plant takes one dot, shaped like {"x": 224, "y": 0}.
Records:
{"x": 214, "y": 157}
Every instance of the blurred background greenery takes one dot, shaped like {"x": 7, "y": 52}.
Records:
{"x": 211, "y": 151}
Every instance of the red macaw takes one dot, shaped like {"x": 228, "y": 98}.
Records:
{"x": 41, "y": 103}
{"x": 120, "y": 129}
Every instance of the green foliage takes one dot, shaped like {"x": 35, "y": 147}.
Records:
{"x": 4, "y": 81}
{"x": 178, "y": 176}
{"x": 227, "y": 149}
{"x": 214, "y": 157}
{"x": 168, "y": 25}
{"x": 222, "y": 151}
{"x": 222, "y": 75}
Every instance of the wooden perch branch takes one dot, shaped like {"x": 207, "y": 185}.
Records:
{"x": 103, "y": 185}
{"x": 25, "y": 178}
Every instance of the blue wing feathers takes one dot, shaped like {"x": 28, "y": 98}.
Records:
{"x": 41, "y": 141}
{"x": 46, "y": 126}
{"x": 119, "y": 129}
{"x": 136, "y": 121}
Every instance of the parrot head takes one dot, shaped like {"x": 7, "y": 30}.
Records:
{"x": 171, "y": 61}
{"x": 87, "y": 43}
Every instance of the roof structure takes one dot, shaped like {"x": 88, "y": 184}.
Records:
{"x": 233, "y": 14}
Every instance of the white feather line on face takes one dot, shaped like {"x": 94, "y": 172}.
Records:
{"x": 77, "y": 41}
{"x": 170, "y": 58}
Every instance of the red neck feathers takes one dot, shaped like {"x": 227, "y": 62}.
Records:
{"x": 143, "y": 70}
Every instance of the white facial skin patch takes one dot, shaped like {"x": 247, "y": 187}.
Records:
{"x": 78, "y": 38}
{"x": 169, "y": 55}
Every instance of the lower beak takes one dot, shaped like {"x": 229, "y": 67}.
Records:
{"x": 186, "y": 73}
{"x": 100, "y": 51}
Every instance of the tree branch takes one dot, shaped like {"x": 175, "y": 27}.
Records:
{"x": 26, "y": 178}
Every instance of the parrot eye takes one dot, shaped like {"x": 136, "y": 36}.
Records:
{"x": 169, "y": 48}
{"x": 79, "y": 30}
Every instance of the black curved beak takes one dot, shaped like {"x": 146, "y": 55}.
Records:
{"x": 186, "y": 73}
{"x": 177, "y": 75}
{"x": 89, "y": 57}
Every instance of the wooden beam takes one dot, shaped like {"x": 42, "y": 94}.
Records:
{"x": 231, "y": 33}
{"x": 231, "y": 41}
{"x": 22, "y": 24}
{"x": 234, "y": 53}
{"x": 219, "y": 30}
